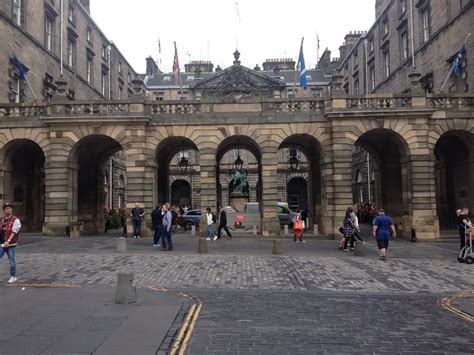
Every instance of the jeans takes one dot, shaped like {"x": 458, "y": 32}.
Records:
{"x": 219, "y": 230}
{"x": 137, "y": 228}
{"x": 210, "y": 231}
{"x": 158, "y": 234}
{"x": 166, "y": 239}
{"x": 11, "y": 259}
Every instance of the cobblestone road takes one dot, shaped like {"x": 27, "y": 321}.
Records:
{"x": 250, "y": 272}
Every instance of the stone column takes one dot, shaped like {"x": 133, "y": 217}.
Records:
{"x": 207, "y": 164}
{"x": 270, "y": 222}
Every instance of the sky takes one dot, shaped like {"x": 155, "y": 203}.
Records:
{"x": 213, "y": 29}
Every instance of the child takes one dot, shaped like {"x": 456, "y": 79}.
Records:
{"x": 298, "y": 229}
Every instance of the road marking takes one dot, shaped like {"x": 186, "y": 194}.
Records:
{"x": 159, "y": 289}
{"x": 447, "y": 303}
{"x": 190, "y": 330}
{"x": 181, "y": 342}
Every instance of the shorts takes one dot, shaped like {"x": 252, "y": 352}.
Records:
{"x": 382, "y": 243}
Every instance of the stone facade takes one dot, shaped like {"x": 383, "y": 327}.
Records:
{"x": 380, "y": 59}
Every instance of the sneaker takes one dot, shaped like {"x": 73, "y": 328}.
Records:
{"x": 208, "y": 239}
{"x": 346, "y": 250}
{"x": 12, "y": 280}
{"x": 138, "y": 237}
{"x": 215, "y": 238}
{"x": 303, "y": 241}
{"x": 156, "y": 245}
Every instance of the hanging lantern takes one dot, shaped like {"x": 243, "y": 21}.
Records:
{"x": 294, "y": 161}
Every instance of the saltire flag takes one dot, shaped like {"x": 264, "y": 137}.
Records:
{"x": 302, "y": 67}
{"x": 457, "y": 63}
{"x": 176, "y": 66}
{"x": 20, "y": 67}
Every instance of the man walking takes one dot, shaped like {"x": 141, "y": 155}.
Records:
{"x": 210, "y": 221}
{"x": 167, "y": 223}
{"x": 137, "y": 214}
{"x": 382, "y": 228}
{"x": 157, "y": 225}
{"x": 9, "y": 238}
{"x": 223, "y": 225}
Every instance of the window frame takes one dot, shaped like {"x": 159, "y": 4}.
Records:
{"x": 89, "y": 69}
{"x": 71, "y": 52}
{"x": 386, "y": 65}
{"x": 89, "y": 35}
{"x": 48, "y": 40}
{"x": 103, "y": 82}
{"x": 404, "y": 45}
{"x": 17, "y": 12}
{"x": 425, "y": 27}
{"x": 372, "y": 77}
{"x": 71, "y": 15}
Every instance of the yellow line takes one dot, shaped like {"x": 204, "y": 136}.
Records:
{"x": 159, "y": 289}
{"x": 183, "y": 330}
{"x": 190, "y": 330}
{"x": 446, "y": 303}
{"x": 38, "y": 285}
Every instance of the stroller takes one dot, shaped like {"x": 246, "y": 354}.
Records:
{"x": 467, "y": 253}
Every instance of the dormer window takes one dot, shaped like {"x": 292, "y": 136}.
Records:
{"x": 190, "y": 78}
{"x": 167, "y": 78}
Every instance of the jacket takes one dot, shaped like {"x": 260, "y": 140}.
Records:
{"x": 223, "y": 218}
{"x": 167, "y": 220}
{"x": 156, "y": 218}
{"x": 11, "y": 229}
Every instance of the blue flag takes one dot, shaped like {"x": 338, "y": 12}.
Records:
{"x": 457, "y": 63}
{"x": 20, "y": 67}
{"x": 303, "y": 82}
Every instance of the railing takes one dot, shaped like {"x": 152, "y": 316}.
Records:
{"x": 176, "y": 108}
{"x": 448, "y": 102}
{"x": 96, "y": 108}
{"x": 22, "y": 110}
{"x": 378, "y": 103}
{"x": 301, "y": 105}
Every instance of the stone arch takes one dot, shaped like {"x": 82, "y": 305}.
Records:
{"x": 22, "y": 180}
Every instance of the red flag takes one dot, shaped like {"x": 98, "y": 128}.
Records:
{"x": 176, "y": 66}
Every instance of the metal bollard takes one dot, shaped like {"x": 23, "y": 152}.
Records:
{"x": 277, "y": 247}
{"x": 125, "y": 292}
{"x": 359, "y": 248}
{"x": 193, "y": 230}
{"x": 121, "y": 245}
{"x": 202, "y": 246}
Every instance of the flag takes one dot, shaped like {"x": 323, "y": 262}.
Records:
{"x": 457, "y": 63}
{"x": 302, "y": 68}
{"x": 20, "y": 67}
{"x": 317, "y": 37}
{"x": 159, "y": 46}
{"x": 176, "y": 66}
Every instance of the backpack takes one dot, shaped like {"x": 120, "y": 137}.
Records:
{"x": 214, "y": 219}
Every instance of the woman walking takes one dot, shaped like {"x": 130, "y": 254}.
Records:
{"x": 298, "y": 228}
{"x": 348, "y": 229}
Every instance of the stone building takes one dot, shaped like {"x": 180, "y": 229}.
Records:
{"x": 380, "y": 59}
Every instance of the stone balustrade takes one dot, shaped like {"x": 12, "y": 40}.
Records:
{"x": 22, "y": 110}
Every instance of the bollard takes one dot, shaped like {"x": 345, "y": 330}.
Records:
{"x": 121, "y": 245}
{"x": 193, "y": 230}
{"x": 285, "y": 230}
{"x": 202, "y": 246}
{"x": 359, "y": 248}
{"x": 316, "y": 229}
{"x": 125, "y": 292}
{"x": 254, "y": 230}
{"x": 277, "y": 247}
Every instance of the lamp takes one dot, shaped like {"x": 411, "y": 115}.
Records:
{"x": 293, "y": 161}
{"x": 239, "y": 163}
{"x": 183, "y": 163}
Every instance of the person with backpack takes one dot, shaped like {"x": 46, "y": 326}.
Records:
{"x": 211, "y": 219}
{"x": 223, "y": 224}
{"x": 11, "y": 226}
{"x": 157, "y": 226}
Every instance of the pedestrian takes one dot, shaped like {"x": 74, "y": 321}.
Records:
{"x": 463, "y": 224}
{"x": 382, "y": 229}
{"x": 137, "y": 214}
{"x": 210, "y": 218}
{"x": 157, "y": 225}
{"x": 347, "y": 230}
{"x": 298, "y": 227}
{"x": 10, "y": 233}
{"x": 223, "y": 224}
{"x": 167, "y": 224}
{"x": 305, "y": 218}
{"x": 356, "y": 235}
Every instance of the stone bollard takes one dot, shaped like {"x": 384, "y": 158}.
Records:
{"x": 316, "y": 229}
{"x": 254, "y": 230}
{"x": 277, "y": 247}
{"x": 359, "y": 248}
{"x": 285, "y": 230}
{"x": 125, "y": 292}
{"x": 193, "y": 230}
{"x": 121, "y": 245}
{"x": 202, "y": 246}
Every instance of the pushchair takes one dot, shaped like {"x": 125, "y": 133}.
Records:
{"x": 467, "y": 254}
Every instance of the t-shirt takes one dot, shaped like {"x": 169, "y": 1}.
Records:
{"x": 383, "y": 224}
{"x": 136, "y": 212}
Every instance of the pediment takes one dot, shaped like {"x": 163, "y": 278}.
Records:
{"x": 238, "y": 81}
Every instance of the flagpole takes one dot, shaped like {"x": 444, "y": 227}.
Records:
{"x": 179, "y": 75}
{"x": 317, "y": 50}
{"x": 297, "y": 68}
{"x": 26, "y": 78}
{"x": 452, "y": 66}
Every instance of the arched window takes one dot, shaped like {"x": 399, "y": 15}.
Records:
{"x": 121, "y": 181}
{"x": 120, "y": 201}
{"x": 106, "y": 177}
{"x": 358, "y": 177}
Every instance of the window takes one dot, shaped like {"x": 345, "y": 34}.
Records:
{"x": 356, "y": 59}
{"x": 71, "y": 15}
{"x": 372, "y": 77}
{"x": 121, "y": 181}
{"x": 89, "y": 70}
{"x": 385, "y": 27}
{"x": 103, "y": 83}
{"x": 371, "y": 45}
{"x": 120, "y": 93}
{"x": 167, "y": 78}
{"x": 120, "y": 67}
{"x": 48, "y": 33}
{"x": 403, "y": 6}
{"x": 129, "y": 77}
{"x": 190, "y": 78}
{"x": 17, "y": 9}
{"x": 308, "y": 77}
{"x": 48, "y": 87}
{"x": 105, "y": 55}
{"x": 71, "y": 52}
{"x": 425, "y": 19}
{"x": 356, "y": 86}
{"x": 120, "y": 201}
{"x": 16, "y": 89}
{"x": 404, "y": 45}
{"x": 386, "y": 63}
{"x": 106, "y": 177}
{"x": 89, "y": 34}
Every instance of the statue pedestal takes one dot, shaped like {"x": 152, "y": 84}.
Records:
{"x": 238, "y": 201}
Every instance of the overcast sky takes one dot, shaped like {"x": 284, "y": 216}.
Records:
{"x": 206, "y": 29}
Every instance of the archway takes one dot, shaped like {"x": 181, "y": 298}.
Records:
{"x": 23, "y": 168}
{"x": 178, "y": 160}
{"x": 181, "y": 193}
{"x": 97, "y": 161}
{"x": 302, "y": 178}
{"x": 454, "y": 153}
{"x": 386, "y": 154}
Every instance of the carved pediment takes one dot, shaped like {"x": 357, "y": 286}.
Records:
{"x": 236, "y": 82}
